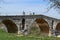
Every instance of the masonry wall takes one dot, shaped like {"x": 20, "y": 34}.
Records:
{"x": 28, "y": 22}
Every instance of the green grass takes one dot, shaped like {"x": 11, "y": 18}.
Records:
{"x": 12, "y": 36}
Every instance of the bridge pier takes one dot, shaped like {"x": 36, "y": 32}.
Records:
{"x": 54, "y": 26}
{"x": 26, "y": 30}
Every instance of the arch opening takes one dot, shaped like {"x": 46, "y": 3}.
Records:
{"x": 10, "y": 25}
{"x": 43, "y": 26}
{"x": 57, "y": 32}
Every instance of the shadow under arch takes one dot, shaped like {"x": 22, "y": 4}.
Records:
{"x": 43, "y": 25}
{"x": 57, "y": 32}
{"x": 10, "y": 25}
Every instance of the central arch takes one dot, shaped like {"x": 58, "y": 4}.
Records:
{"x": 10, "y": 25}
{"x": 43, "y": 26}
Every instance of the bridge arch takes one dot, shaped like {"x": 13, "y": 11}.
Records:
{"x": 10, "y": 25}
{"x": 43, "y": 26}
{"x": 57, "y": 29}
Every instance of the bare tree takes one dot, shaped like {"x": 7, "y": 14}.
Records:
{"x": 55, "y": 3}
{"x": 2, "y": 1}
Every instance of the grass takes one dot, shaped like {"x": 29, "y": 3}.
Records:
{"x": 12, "y": 36}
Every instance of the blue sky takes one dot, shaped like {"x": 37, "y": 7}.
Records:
{"x": 16, "y": 7}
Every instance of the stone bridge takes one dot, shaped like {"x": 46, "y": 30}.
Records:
{"x": 22, "y": 24}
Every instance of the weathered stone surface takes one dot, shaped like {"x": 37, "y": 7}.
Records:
{"x": 29, "y": 19}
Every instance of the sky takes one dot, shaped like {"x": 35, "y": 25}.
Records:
{"x": 16, "y": 7}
